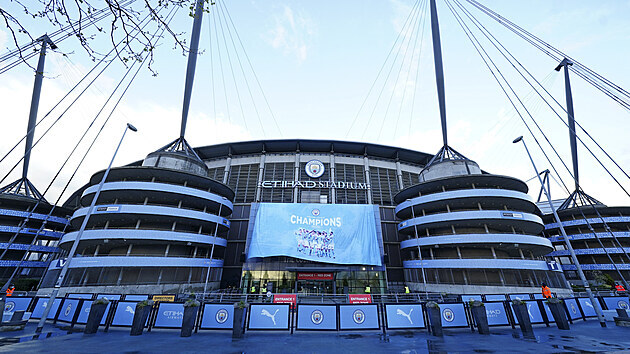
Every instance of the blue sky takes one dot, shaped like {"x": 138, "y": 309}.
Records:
{"x": 316, "y": 62}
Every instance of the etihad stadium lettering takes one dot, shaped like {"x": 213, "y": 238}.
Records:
{"x": 314, "y": 184}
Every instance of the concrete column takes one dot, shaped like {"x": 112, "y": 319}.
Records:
{"x": 261, "y": 170}
{"x": 366, "y": 166}
{"x": 226, "y": 171}
{"x": 296, "y": 176}
{"x": 399, "y": 175}
{"x": 333, "y": 192}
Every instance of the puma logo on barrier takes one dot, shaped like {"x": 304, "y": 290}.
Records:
{"x": 402, "y": 313}
{"x": 264, "y": 312}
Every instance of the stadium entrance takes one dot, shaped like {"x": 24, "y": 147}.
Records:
{"x": 315, "y": 283}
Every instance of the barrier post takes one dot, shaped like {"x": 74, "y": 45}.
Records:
{"x": 75, "y": 317}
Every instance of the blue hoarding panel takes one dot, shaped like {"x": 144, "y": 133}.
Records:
{"x": 499, "y": 297}
{"x": 404, "y": 316}
{"x": 271, "y": 316}
{"x": 217, "y": 316}
{"x": 466, "y": 298}
{"x": 169, "y": 315}
{"x": 38, "y": 311}
{"x": 322, "y": 317}
{"x": 534, "y": 312}
{"x": 124, "y": 313}
{"x": 496, "y": 314}
{"x": 109, "y": 297}
{"x": 574, "y": 310}
{"x": 358, "y": 316}
{"x": 131, "y": 297}
{"x": 331, "y": 233}
{"x": 453, "y": 315}
{"x": 79, "y": 296}
{"x": 519, "y": 297}
{"x": 538, "y": 296}
{"x": 68, "y": 308}
{"x": 587, "y": 307}
{"x": 13, "y": 304}
{"x": 616, "y": 302}
{"x": 548, "y": 312}
{"x": 85, "y": 312}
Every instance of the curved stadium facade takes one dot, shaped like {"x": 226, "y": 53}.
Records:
{"x": 160, "y": 227}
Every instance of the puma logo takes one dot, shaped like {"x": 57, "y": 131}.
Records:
{"x": 130, "y": 310}
{"x": 402, "y": 313}
{"x": 264, "y": 312}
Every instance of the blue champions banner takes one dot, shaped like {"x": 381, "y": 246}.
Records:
{"x": 616, "y": 302}
{"x": 317, "y": 317}
{"x": 170, "y": 315}
{"x": 331, "y": 233}
{"x": 68, "y": 308}
{"x": 453, "y": 315}
{"x": 17, "y": 304}
{"x": 404, "y": 316}
{"x": 358, "y": 316}
{"x": 574, "y": 310}
{"x": 272, "y": 316}
{"x": 124, "y": 313}
{"x": 587, "y": 307}
{"x": 534, "y": 313}
{"x": 217, "y": 316}
{"x": 41, "y": 304}
{"x": 495, "y": 311}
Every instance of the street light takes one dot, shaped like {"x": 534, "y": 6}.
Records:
{"x": 75, "y": 244}
{"x": 594, "y": 302}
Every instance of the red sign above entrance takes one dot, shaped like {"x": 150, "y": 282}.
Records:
{"x": 285, "y": 299}
{"x": 315, "y": 276}
{"x": 360, "y": 298}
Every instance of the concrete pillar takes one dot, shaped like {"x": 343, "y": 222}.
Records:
{"x": 333, "y": 192}
{"x": 296, "y": 176}
{"x": 226, "y": 171}
{"x": 366, "y": 166}
{"x": 399, "y": 175}
{"x": 261, "y": 171}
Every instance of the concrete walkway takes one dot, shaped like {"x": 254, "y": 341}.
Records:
{"x": 583, "y": 337}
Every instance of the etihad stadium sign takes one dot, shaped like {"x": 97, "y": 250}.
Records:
{"x": 314, "y": 184}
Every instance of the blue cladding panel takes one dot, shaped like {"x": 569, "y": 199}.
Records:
{"x": 218, "y": 316}
{"x": 404, "y": 316}
{"x": 453, "y": 315}
{"x": 616, "y": 302}
{"x": 496, "y": 314}
{"x": 358, "y": 316}
{"x": 272, "y": 316}
{"x": 341, "y": 234}
{"x": 169, "y": 315}
{"x": 322, "y": 317}
{"x": 587, "y": 307}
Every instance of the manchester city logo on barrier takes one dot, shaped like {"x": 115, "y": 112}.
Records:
{"x": 317, "y": 317}
{"x": 573, "y": 308}
{"x": 358, "y": 316}
{"x": 221, "y": 316}
{"x": 314, "y": 168}
{"x": 448, "y": 315}
{"x": 9, "y": 306}
{"x": 622, "y": 305}
{"x": 68, "y": 309}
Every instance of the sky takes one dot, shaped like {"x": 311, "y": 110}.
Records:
{"x": 316, "y": 76}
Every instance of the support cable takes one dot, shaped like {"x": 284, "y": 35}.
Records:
{"x": 216, "y": 36}
{"x": 415, "y": 91}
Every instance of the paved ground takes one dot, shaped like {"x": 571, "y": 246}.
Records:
{"x": 583, "y": 337}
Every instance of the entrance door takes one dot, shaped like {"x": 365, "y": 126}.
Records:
{"x": 315, "y": 287}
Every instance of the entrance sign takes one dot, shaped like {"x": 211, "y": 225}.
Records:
{"x": 453, "y": 315}
{"x": 269, "y": 316}
{"x": 495, "y": 311}
{"x": 217, "y": 316}
{"x": 169, "y": 315}
{"x": 330, "y": 233}
{"x": 358, "y": 316}
{"x": 587, "y": 307}
{"x": 314, "y": 276}
{"x": 124, "y": 313}
{"x": 574, "y": 310}
{"x": 317, "y": 317}
{"x": 617, "y": 302}
{"x": 285, "y": 299}
{"x": 359, "y": 298}
{"x": 404, "y": 316}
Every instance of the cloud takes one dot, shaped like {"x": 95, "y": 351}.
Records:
{"x": 291, "y": 33}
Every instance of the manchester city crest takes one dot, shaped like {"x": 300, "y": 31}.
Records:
{"x": 221, "y": 316}
{"x": 9, "y": 306}
{"x": 358, "y": 316}
{"x": 68, "y": 309}
{"x": 314, "y": 168}
{"x": 622, "y": 305}
{"x": 448, "y": 315}
{"x": 317, "y": 317}
{"x": 573, "y": 308}
{"x": 315, "y": 212}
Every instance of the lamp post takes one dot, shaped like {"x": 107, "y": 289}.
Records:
{"x": 75, "y": 244}
{"x": 594, "y": 302}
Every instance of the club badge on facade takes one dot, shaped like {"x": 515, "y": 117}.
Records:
{"x": 317, "y": 317}
{"x": 314, "y": 168}
{"x": 358, "y": 316}
{"x": 448, "y": 315}
{"x": 221, "y": 316}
